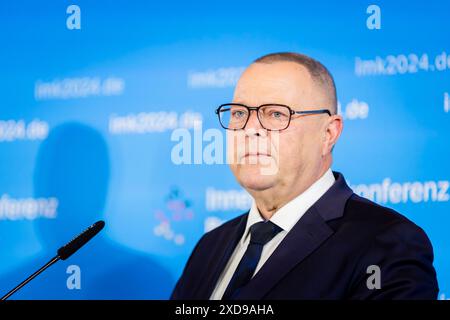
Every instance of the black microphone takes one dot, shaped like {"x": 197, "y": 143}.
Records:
{"x": 63, "y": 253}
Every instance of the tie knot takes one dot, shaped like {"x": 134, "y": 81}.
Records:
{"x": 262, "y": 232}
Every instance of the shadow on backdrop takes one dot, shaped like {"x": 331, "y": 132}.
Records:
{"x": 73, "y": 166}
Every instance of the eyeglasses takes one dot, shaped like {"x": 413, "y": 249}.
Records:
{"x": 272, "y": 117}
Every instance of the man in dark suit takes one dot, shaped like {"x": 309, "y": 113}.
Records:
{"x": 307, "y": 235}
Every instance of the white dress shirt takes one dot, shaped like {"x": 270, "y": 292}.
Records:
{"x": 286, "y": 217}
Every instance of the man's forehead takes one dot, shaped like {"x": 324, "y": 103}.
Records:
{"x": 277, "y": 70}
{"x": 287, "y": 81}
{"x": 267, "y": 88}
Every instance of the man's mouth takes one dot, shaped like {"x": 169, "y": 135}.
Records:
{"x": 257, "y": 154}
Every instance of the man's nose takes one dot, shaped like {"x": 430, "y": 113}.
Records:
{"x": 253, "y": 121}
{"x": 253, "y": 126}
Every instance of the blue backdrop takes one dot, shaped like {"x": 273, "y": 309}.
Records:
{"x": 94, "y": 98}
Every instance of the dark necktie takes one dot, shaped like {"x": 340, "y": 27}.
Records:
{"x": 260, "y": 233}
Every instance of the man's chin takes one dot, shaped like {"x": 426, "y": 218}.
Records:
{"x": 256, "y": 181}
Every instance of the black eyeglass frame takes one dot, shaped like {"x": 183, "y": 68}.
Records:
{"x": 291, "y": 113}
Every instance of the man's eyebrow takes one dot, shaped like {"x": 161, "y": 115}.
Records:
{"x": 269, "y": 101}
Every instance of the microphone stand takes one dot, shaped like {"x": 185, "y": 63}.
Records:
{"x": 34, "y": 275}
{"x": 64, "y": 252}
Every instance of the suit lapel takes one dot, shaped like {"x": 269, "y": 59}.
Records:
{"x": 303, "y": 239}
{"x": 226, "y": 245}
{"x": 306, "y": 236}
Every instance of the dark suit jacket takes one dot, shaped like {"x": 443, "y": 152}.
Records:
{"x": 325, "y": 255}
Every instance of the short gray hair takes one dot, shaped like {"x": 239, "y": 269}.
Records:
{"x": 317, "y": 70}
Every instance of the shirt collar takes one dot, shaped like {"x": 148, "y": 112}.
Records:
{"x": 288, "y": 215}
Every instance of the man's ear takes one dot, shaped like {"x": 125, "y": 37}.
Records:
{"x": 333, "y": 130}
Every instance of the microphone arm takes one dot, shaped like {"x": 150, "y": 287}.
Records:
{"x": 34, "y": 275}
{"x": 63, "y": 253}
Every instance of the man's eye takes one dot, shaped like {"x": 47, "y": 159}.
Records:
{"x": 238, "y": 114}
{"x": 278, "y": 115}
